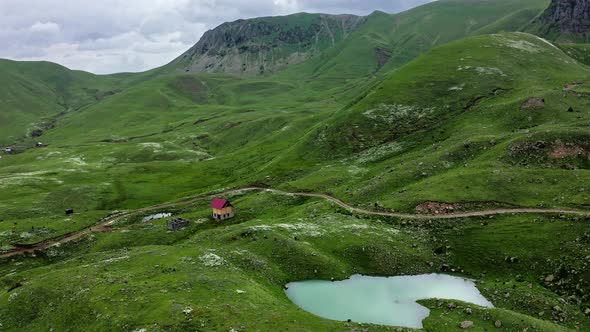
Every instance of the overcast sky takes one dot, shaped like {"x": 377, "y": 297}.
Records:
{"x": 106, "y": 36}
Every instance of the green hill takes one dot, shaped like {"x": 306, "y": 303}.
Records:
{"x": 442, "y": 105}
{"x": 266, "y": 45}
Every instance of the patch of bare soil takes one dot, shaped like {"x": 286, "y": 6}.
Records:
{"x": 436, "y": 208}
{"x": 562, "y": 151}
{"x": 383, "y": 56}
{"x": 570, "y": 86}
{"x": 191, "y": 85}
{"x": 532, "y": 103}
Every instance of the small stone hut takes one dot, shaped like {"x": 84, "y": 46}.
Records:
{"x": 177, "y": 224}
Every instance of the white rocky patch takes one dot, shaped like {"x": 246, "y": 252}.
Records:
{"x": 357, "y": 227}
{"x": 329, "y": 225}
{"x": 156, "y": 147}
{"x": 261, "y": 228}
{"x": 391, "y": 113}
{"x": 25, "y": 178}
{"x": 457, "y": 87}
{"x": 522, "y": 45}
{"x": 489, "y": 71}
{"x": 378, "y": 152}
{"x": 25, "y": 235}
{"x": 212, "y": 260}
{"x": 355, "y": 170}
{"x": 12, "y": 296}
{"x": 307, "y": 229}
{"x": 78, "y": 161}
{"x": 114, "y": 259}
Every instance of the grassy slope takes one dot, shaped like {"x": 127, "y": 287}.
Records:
{"x": 141, "y": 276}
{"x": 288, "y": 39}
{"x": 415, "y": 140}
{"x": 406, "y": 35}
{"x": 161, "y": 274}
{"x": 174, "y": 136}
{"x": 35, "y": 94}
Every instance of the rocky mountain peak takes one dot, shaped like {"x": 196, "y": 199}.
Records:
{"x": 263, "y": 45}
{"x": 570, "y": 17}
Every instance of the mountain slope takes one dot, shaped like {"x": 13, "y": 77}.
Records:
{"x": 336, "y": 53}
{"x": 324, "y": 44}
{"x": 265, "y": 45}
{"x": 564, "y": 21}
{"x": 451, "y": 118}
{"x": 386, "y": 42}
{"x": 34, "y": 93}
{"x": 402, "y": 114}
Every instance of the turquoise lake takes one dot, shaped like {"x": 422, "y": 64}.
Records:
{"x": 381, "y": 300}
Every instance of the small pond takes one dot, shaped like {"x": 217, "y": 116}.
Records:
{"x": 157, "y": 216}
{"x": 381, "y": 300}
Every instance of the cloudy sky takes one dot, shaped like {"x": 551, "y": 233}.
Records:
{"x": 106, "y": 36}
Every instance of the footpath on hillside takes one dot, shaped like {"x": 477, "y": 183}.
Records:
{"x": 109, "y": 221}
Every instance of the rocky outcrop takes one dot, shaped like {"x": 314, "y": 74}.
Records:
{"x": 567, "y": 17}
{"x": 258, "y": 46}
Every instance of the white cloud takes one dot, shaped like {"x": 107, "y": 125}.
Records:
{"x": 48, "y": 27}
{"x": 133, "y": 35}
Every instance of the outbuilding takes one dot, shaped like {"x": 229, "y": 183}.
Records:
{"x": 177, "y": 224}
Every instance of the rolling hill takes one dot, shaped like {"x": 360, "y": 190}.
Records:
{"x": 445, "y": 106}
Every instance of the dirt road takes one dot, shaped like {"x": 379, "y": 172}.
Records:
{"x": 111, "y": 220}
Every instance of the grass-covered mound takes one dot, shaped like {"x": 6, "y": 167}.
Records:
{"x": 219, "y": 276}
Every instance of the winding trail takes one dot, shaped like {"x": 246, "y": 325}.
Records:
{"x": 109, "y": 221}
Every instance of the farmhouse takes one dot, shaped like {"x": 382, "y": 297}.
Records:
{"x": 222, "y": 209}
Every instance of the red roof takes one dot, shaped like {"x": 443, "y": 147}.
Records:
{"x": 219, "y": 203}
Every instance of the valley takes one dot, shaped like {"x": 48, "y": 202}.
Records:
{"x": 451, "y": 138}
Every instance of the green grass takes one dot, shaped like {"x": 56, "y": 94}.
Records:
{"x": 440, "y": 121}
{"x": 97, "y": 283}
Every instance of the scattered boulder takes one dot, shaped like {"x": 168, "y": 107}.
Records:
{"x": 69, "y": 212}
{"x": 468, "y": 311}
{"x": 550, "y": 278}
{"x": 436, "y": 208}
{"x": 498, "y": 323}
{"x": 466, "y": 324}
{"x": 532, "y": 103}
{"x": 177, "y": 224}
{"x": 37, "y": 133}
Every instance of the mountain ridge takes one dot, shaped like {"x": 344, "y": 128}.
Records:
{"x": 565, "y": 21}
{"x": 266, "y": 44}
{"x": 456, "y": 112}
